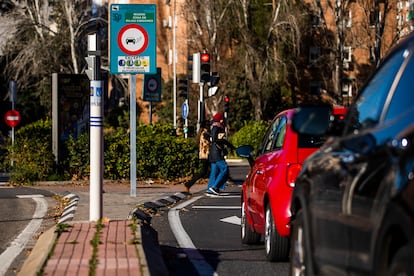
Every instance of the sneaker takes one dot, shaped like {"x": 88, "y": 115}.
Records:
{"x": 214, "y": 191}
{"x": 210, "y": 194}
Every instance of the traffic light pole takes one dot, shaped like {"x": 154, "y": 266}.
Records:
{"x": 186, "y": 122}
{"x": 200, "y": 106}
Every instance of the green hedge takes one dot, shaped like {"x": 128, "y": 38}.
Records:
{"x": 32, "y": 153}
{"x": 160, "y": 153}
{"x": 250, "y": 134}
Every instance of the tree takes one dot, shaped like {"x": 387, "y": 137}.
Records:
{"x": 250, "y": 45}
{"x": 48, "y": 38}
{"x": 366, "y": 26}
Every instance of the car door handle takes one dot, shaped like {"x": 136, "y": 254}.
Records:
{"x": 259, "y": 172}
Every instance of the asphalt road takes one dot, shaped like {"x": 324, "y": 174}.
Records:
{"x": 22, "y": 211}
{"x": 209, "y": 241}
{"x": 201, "y": 236}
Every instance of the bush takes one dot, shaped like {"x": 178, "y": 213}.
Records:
{"x": 250, "y": 134}
{"x": 32, "y": 153}
{"x": 116, "y": 154}
{"x": 160, "y": 152}
{"x": 76, "y": 166}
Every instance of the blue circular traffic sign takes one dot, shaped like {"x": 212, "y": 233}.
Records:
{"x": 184, "y": 110}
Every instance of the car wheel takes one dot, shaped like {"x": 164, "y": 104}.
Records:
{"x": 402, "y": 264}
{"x": 297, "y": 248}
{"x": 248, "y": 236}
{"x": 276, "y": 246}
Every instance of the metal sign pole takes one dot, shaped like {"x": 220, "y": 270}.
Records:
{"x": 150, "y": 112}
{"x": 133, "y": 135}
{"x": 13, "y": 94}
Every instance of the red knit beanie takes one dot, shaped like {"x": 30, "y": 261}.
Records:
{"x": 218, "y": 117}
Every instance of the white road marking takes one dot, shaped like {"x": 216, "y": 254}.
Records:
{"x": 185, "y": 242}
{"x": 224, "y": 195}
{"x": 30, "y": 196}
{"x": 216, "y": 207}
{"x": 8, "y": 256}
{"x": 233, "y": 220}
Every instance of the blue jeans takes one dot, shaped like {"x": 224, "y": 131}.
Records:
{"x": 218, "y": 175}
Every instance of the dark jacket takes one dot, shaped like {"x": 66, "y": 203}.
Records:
{"x": 219, "y": 144}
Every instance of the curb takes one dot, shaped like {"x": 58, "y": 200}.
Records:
{"x": 145, "y": 211}
{"x": 37, "y": 258}
{"x": 43, "y": 247}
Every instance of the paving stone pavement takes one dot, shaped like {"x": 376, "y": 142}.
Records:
{"x": 120, "y": 249}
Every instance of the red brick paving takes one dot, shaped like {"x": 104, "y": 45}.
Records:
{"x": 117, "y": 253}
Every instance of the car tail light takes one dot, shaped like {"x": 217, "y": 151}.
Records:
{"x": 292, "y": 172}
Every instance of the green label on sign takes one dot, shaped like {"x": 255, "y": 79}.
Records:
{"x": 135, "y": 17}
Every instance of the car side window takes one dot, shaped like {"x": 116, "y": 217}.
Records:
{"x": 403, "y": 97}
{"x": 270, "y": 134}
{"x": 280, "y": 135}
{"x": 366, "y": 111}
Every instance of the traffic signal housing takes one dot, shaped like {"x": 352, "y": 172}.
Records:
{"x": 195, "y": 67}
{"x": 214, "y": 79}
{"x": 183, "y": 87}
{"x": 226, "y": 104}
{"x": 205, "y": 67}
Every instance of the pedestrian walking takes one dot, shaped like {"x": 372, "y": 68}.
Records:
{"x": 218, "y": 150}
{"x": 203, "y": 138}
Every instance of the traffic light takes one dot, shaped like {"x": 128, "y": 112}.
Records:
{"x": 205, "y": 67}
{"x": 214, "y": 79}
{"x": 183, "y": 88}
{"x": 226, "y": 104}
{"x": 195, "y": 67}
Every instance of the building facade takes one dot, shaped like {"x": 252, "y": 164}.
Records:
{"x": 360, "y": 33}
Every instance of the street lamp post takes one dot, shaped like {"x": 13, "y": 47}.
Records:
{"x": 174, "y": 65}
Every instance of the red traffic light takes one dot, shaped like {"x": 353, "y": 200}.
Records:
{"x": 205, "y": 57}
{"x": 226, "y": 99}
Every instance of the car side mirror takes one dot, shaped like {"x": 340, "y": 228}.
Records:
{"x": 312, "y": 120}
{"x": 246, "y": 151}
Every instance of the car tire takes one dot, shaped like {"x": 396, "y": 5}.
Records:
{"x": 248, "y": 236}
{"x": 297, "y": 247}
{"x": 403, "y": 262}
{"x": 276, "y": 246}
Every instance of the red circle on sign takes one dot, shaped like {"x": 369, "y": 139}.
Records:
{"x": 121, "y": 43}
{"x": 12, "y": 118}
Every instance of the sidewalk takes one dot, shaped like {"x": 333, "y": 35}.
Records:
{"x": 117, "y": 246}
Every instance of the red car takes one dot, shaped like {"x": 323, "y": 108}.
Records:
{"x": 267, "y": 190}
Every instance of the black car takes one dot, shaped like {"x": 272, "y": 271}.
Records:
{"x": 353, "y": 202}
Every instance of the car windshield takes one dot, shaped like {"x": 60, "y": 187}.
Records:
{"x": 367, "y": 109}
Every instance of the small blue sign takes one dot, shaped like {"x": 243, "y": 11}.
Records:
{"x": 133, "y": 42}
{"x": 184, "y": 110}
{"x": 152, "y": 87}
